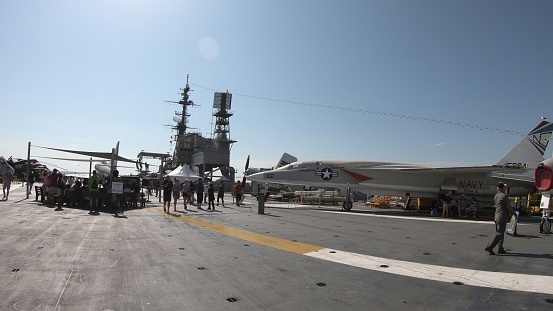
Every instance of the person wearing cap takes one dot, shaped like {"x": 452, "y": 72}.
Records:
{"x": 503, "y": 212}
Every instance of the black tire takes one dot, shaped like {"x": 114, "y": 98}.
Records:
{"x": 545, "y": 226}
{"x": 346, "y": 206}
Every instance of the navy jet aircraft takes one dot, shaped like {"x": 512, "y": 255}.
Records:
{"x": 411, "y": 180}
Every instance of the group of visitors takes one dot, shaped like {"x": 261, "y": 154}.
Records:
{"x": 53, "y": 186}
{"x": 457, "y": 208}
{"x": 56, "y": 187}
{"x": 196, "y": 193}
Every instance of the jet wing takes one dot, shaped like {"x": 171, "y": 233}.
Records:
{"x": 363, "y": 172}
{"x": 515, "y": 175}
{"x": 466, "y": 170}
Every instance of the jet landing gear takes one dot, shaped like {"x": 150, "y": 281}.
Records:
{"x": 545, "y": 224}
{"x": 347, "y": 204}
{"x": 407, "y": 206}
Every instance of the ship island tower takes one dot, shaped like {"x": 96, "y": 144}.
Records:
{"x": 207, "y": 155}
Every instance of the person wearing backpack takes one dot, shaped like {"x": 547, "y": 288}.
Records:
{"x": 93, "y": 191}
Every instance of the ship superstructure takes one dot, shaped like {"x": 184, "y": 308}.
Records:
{"x": 205, "y": 154}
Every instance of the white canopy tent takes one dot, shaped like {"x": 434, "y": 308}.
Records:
{"x": 183, "y": 173}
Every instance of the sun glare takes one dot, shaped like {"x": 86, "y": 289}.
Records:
{"x": 208, "y": 48}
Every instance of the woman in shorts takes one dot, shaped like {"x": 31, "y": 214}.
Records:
{"x": 176, "y": 193}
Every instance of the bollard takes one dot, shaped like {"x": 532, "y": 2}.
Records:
{"x": 261, "y": 203}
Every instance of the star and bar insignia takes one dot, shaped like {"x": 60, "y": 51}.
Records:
{"x": 326, "y": 174}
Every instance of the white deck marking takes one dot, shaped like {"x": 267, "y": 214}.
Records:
{"x": 500, "y": 280}
{"x": 465, "y": 221}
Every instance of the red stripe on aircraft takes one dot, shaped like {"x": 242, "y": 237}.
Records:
{"x": 539, "y": 126}
{"x": 358, "y": 176}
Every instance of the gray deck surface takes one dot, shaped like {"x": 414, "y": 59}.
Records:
{"x": 69, "y": 260}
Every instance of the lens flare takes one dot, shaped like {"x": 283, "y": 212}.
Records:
{"x": 208, "y": 48}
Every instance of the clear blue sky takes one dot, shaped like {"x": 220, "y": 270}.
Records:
{"x": 86, "y": 74}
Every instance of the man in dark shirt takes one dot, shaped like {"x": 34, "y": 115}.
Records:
{"x": 167, "y": 192}
{"x": 503, "y": 212}
{"x": 200, "y": 192}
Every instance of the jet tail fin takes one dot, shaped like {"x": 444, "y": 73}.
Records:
{"x": 285, "y": 160}
{"x": 529, "y": 152}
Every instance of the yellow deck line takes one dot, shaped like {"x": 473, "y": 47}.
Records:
{"x": 286, "y": 245}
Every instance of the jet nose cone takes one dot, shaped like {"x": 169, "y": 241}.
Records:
{"x": 543, "y": 176}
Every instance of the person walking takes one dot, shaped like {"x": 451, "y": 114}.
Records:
{"x": 238, "y": 192}
{"x": 200, "y": 193}
{"x": 192, "y": 188}
{"x": 206, "y": 186}
{"x": 31, "y": 181}
{"x": 176, "y": 193}
{"x": 185, "y": 189}
{"x": 503, "y": 212}
{"x": 93, "y": 192}
{"x": 6, "y": 182}
{"x": 167, "y": 190}
{"x": 221, "y": 193}
{"x": 210, "y": 197}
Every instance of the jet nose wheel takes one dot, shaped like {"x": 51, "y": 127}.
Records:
{"x": 545, "y": 226}
{"x": 346, "y": 206}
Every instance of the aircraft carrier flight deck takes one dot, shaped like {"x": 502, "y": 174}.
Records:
{"x": 292, "y": 257}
